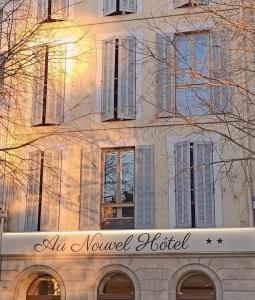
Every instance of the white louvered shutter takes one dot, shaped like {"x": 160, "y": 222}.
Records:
{"x": 144, "y": 187}
{"x": 128, "y": 6}
{"x": 59, "y": 9}
{"x": 204, "y": 184}
{"x": 33, "y": 191}
{"x": 164, "y": 74}
{"x": 127, "y": 78}
{"x": 107, "y": 96}
{"x": 110, "y": 7}
{"x": 51, "y": 190}
{"x": 182, "y": 185}
{"x": 90, "y": 189}
{"x": 38, "y": 87}
{"x": 42, "y": 10}
{"x": 180, "y": 3}
{"x": 221, "y": 72}
{"x": 55, "y": 85}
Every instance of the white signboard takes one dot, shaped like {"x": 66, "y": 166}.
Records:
{"x": 129, "y": 242}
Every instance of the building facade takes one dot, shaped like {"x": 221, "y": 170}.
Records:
{"x": 133, "y": 170}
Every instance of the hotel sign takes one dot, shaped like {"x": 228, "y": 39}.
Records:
{"x": 129, "y": 242}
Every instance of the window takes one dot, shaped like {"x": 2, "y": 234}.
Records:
{"x": 192, "y": 73}
{"x": 118, "y": 97}
{"x": 48, "y": 85}
{"x": 44, "y": 287}
{"x": 52, "y": 10}
{"x": 196, "y": 286}
{"x": 118, "y": 189}
{"x": 44, "y": 186}
{"x": 184, "y": 3}
{"x": 194, "y": 184}
{"x": 126, "y": 185}
{"x": 117, "y": 7}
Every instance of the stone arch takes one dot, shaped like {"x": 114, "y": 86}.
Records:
{"x": 101, "y": 274}
{"x": 25, "y": 279}
{"x": 184, "y": 271}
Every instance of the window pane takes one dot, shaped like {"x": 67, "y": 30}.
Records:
{"x": 183, "y": 59}
{"x": 127, "y": 176}
{"x": 118, "y": 224}
{"x": 110, "y": 177}
{"x": 193, "y": 101}
{"x": 201, "y": 52}
{"x": 128, "y": 212}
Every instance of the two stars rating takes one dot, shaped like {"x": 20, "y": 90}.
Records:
{"x": 219, "y": 241}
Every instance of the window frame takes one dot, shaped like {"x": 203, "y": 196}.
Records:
{"x": 118, "y": 204}
{"x": 48, "y": 17}
{"x": 191, "y": 85}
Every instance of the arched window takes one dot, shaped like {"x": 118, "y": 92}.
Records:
{"x": 196, "y": 286}
{"x": 116, "y": 286}
{"x": 44, "y": 287}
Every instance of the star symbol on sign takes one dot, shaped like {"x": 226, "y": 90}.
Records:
{"x": 220, "y": 241}
{"x": 208, "y": 241}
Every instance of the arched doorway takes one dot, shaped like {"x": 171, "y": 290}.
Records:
{"x": 196, "y": 286}
{"x": 44, "y": 287}
{"x": 116, "y": 286}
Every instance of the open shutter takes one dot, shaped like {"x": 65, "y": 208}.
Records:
{"x": 110, "y": 7}
{"x": 107, "y": 98}
{"x": 34, "y": 180}
{"x": 128, "y": 6}
{"x": 38, "y": 87}
{"x": 180, "y": 3}
{"x": 90, "y": 189}
{"x": 51, "y": 191}
{"x": 2, "y": 63}
{"x": 182, "y": 185}
{"x": 204, "y": 184}
{"x": 55, "y": 85}
{"x": 221, "y": 72}
{"x": 59, "y": 9}
{"x": 164, "y": 74}
{"x": 144, "y": 187}
{"x": 42, "y": 10}
{"x": 127, "y": 78}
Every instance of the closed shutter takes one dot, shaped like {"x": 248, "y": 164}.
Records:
{"x": 204, "y": 184}
{"x": 90, "y": 189}
{"x": 180, "y": 3}
{"x": 33, "y": 191}
{"x": 182, "y": 185}
{"x": 221, "y": 72}
{"x": 127, "y": 78}
{"x": 110, "y": 7}
{"x": 164, "y": 74}
{"x": 55, "y": 85}
{"x": 38, "y": 87}
{"x": 107, "y": 97}
{"x": 128, "y": 6}
{"x": 59, "y": 9}
{"x": 51, "y": 190}
{"x": 144, "y": 187}
{"x": 42, "y": 10}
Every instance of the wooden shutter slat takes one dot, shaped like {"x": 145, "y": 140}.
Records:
{"x": 59, "y": 9}
{"x": 107, "y": 96}
{"x": 55, "y": 85}
{"x": 32, "y": 203}
{"x": 127, "y": 78}
{"x": 204, "y": 184}
{"x": 42, "y": 10}
{"x": 144, "y": 186}
{"x": 164, "y": 74}
{"x": 51, "y": 190}
{"x": 182, "y": 185}
{"x": 128, "y": 6}
{"x": 110, "y": 7}
{"x": 90, "y": 189}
